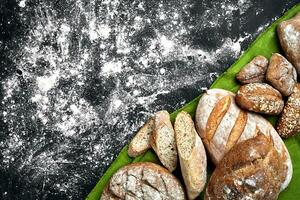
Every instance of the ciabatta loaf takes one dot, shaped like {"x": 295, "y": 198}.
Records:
{"x": 192, "y": 156}
{"x": 222, "y": 124}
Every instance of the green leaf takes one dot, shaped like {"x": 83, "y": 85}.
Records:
{"x": 265, "y": 44}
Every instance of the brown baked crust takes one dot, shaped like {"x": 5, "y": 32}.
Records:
{"x": 144, "y": 181}
{"x": 289, "y": 37}
{"x": 289, "y": 121}
{"x": 281, "y": 74}
{"x": 250, "y": 170}
{"x": 260, "y": 98}
{"x": 141, "y": 141}
{"x": 254, "y": 71}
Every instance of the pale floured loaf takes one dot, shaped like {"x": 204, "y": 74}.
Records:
{"x": 221, "y": 124}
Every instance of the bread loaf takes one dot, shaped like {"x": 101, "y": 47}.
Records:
{"x": 221, "y": 124}
{"x": 260, "y": 98}
{"x": 145, "y": 181}
{"x": 163, "y": 140}
{"x": 289, "y": 37}
{"x": 254, "y": 71}
{"x": 289, "y": 121}
{"x": 141, "y": 141}
{"x": 281, "y": 74}
{"x": 251, "y": 169}
{"x": 192, "y": 156}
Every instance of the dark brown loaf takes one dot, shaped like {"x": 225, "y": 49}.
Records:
{"x": 289, "y": 37}
{"x": 144, "y": 181}
{"x": 254, "y": 71}
{"x": 289, "y": 122}
{"x": 231, "y": 126}
{"x": 281, "y": 74}
{"x": 260, "y": 98}
{"x": 250, "y": 170}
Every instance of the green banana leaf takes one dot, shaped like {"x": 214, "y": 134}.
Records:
{"x": 265, "y": 44}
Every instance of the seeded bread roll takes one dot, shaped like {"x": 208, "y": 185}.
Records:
{"x": 260, "y": 98}
{"x": 141, "y": 141}
{"x": 289, "y": 37}
{"x": 221, "y": 124}
{"x": 163, "y": 140}
{"x": 144, "y": 181}
{"x": 191, "y": 153}
{"x": 289, "y": 122}
{"x": 250, "y": 170}
{"x": 281, "y": 74}
{"x": 254, "y": 71}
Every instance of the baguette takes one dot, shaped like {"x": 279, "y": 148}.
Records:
{"x": 191, "y": 153}
{"x": 143, "y": 181}
{"x": 141, "y": 141}
{"x": 217, "y": 111}
{"x": 163, "y": 140}
{"x": 250, "y": 170}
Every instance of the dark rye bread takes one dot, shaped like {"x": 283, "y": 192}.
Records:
{"x": 141, "y": 141}
{"x": 163, "y": 140}
{"x": 192, "y": 156}
{"x": 143, "y": 181}
{"x": 250, "y": 170}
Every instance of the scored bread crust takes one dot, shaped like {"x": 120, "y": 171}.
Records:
{"x": 141, "y": 141}
{"x": 250, "y": 170}
{"x": 144, "y": 181}
{"x": 216, "y": 146}
{"x": 163, "y": 140}
{"x": 192, "y": 156}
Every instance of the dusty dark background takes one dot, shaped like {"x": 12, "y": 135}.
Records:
{"x": 78, "y": 78}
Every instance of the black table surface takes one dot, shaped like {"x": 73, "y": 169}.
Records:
{"x": 79, "y": 77}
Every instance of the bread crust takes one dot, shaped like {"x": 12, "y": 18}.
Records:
{"x": 193, "y": 162}
{"x": 254, "y": 71}
{"x": 289, "y": 121}
{"x": 250, "y": 170}
{"x": 217, "y": 146}
{"x": 260, "y": 98}
{"x": 144, "y": 180}
{"x": 289, "y": 37}
{"x": 141, "y": 141}
{"x": 281, "y": 74}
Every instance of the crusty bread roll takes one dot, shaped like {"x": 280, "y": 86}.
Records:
{"x": 192, "y": 156}
{"x": 289, "y": 37}
{"x": 145, "y": 181}
{"x": 251, "y": 169}
{"x": 163, "y": 140}
{"x": 221, "y": 124}
{"x": 141, "y": 141}
{"x": 289, "y": 121}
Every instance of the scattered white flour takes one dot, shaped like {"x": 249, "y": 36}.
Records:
{"x": 91, "y": 78}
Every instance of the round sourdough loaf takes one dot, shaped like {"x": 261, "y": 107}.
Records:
{"x": 251, "y": 169}
{"x": 144, "y": 181}
{"x": 221, "y": 124}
